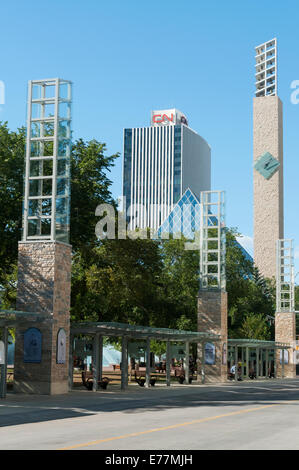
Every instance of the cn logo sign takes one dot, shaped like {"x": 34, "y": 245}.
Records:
{"x": 162, "y": 118}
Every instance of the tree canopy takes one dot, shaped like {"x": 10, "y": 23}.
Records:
{"x": 12, "y": 150}
{"x": 156, "y": 283}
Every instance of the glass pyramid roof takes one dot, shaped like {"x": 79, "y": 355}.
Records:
{"x": 184, "y": 219}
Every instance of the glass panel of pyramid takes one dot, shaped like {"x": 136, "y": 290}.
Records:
{"x": 184, "y": 218}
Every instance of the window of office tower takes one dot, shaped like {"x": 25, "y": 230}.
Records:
{"x": 127, "y": 166}
{"x": 177, "y": 163}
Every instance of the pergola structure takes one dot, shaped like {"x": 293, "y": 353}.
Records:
{"x": 127, "y": 332}
{"x": 13, "y": 319}
{"x": 264, "y": 351}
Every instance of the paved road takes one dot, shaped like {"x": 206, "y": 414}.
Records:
{"x": 243, "y": 415}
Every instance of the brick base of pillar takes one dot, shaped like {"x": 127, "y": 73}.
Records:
{"x": 44, "y": 286}
{"x": 285, "y": 332}
{"x": 212, "y": 318}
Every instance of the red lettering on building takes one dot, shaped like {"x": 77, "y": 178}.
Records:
{"x": 159, "y": 118}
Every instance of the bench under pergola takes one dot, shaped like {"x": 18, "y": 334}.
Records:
{"x": 259, "y": 346}
{"x": 126, "y": 332}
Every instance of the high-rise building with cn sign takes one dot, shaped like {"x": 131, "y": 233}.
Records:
{"x": 160, "y": 162}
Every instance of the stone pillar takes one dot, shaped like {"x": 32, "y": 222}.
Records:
{"x": 95, "y": 362}
{"x": 186, "y": 362}
{"x": 267, "y": 187}
{"x": 202, "y": 363}
{"x": 247, "y": 363}
{"x": 168, "y": 365}
{"x": 44, "y": 286}
{"x": 148, "y": 362}
{"x": 285, "y": 332}
{"x": 124, "y": 363}
{"x": 3, "y": 367}
{"x": 212, "y": 318}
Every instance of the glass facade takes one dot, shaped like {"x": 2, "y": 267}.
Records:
{"x": 183, "y": 219}
{"x": 127, "y": 165}
{"x": 160, "y": 163}
{"x": 46, "y": 209}
{"x": 151, "y": 173}
{"x": 177, "y": 163}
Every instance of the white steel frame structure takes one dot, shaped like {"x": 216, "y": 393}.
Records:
{"x": 46, "y": 211}
{"x": 285, "y": 280}
{"x": 212, "y": 240}
{"x": 266, "y": 69}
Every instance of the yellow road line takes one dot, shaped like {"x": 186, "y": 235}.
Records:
{"x": 165, "y": 428}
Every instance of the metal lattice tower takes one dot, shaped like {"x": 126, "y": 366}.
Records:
{"x": 266, "y": 69}
{"x": 46, "y": 214}
{"x": 212, "y": 240}
{"x": 285, "y": 290}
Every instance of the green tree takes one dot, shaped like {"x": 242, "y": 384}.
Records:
{"x": 90, "y": 186}
{"x": 137, "y": 281}
{"x": 180, "y": 284}
{"x": 254, "y": 326}
{"x": 12, "y": 150}
{"x": 116, "y": 281}
{"x": 248, "y": 293}
{"x": 156, "y": 284}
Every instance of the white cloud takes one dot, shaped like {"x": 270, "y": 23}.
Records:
{"x": 247, "y": 243}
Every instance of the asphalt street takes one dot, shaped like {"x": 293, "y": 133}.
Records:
{"x": 243, "y": 415}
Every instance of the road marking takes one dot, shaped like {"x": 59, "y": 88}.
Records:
{"x": 166, "y": 428}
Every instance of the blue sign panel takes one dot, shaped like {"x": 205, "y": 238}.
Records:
{"x": 210, "y": 353}
{"x": 32, "y": 345}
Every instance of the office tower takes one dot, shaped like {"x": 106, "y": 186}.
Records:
{"x": 160, "y": 162}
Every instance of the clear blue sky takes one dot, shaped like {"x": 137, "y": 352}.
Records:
{"x": 126, "y": 58}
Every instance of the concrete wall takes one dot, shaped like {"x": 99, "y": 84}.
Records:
{"x": 196, "y": 162}
{"x": 268, "y": 194}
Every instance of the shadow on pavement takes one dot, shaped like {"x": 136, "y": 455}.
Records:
{"x": 20, "y": 409}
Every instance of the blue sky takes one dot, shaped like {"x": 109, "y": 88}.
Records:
{"x": 126, "y": 58}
